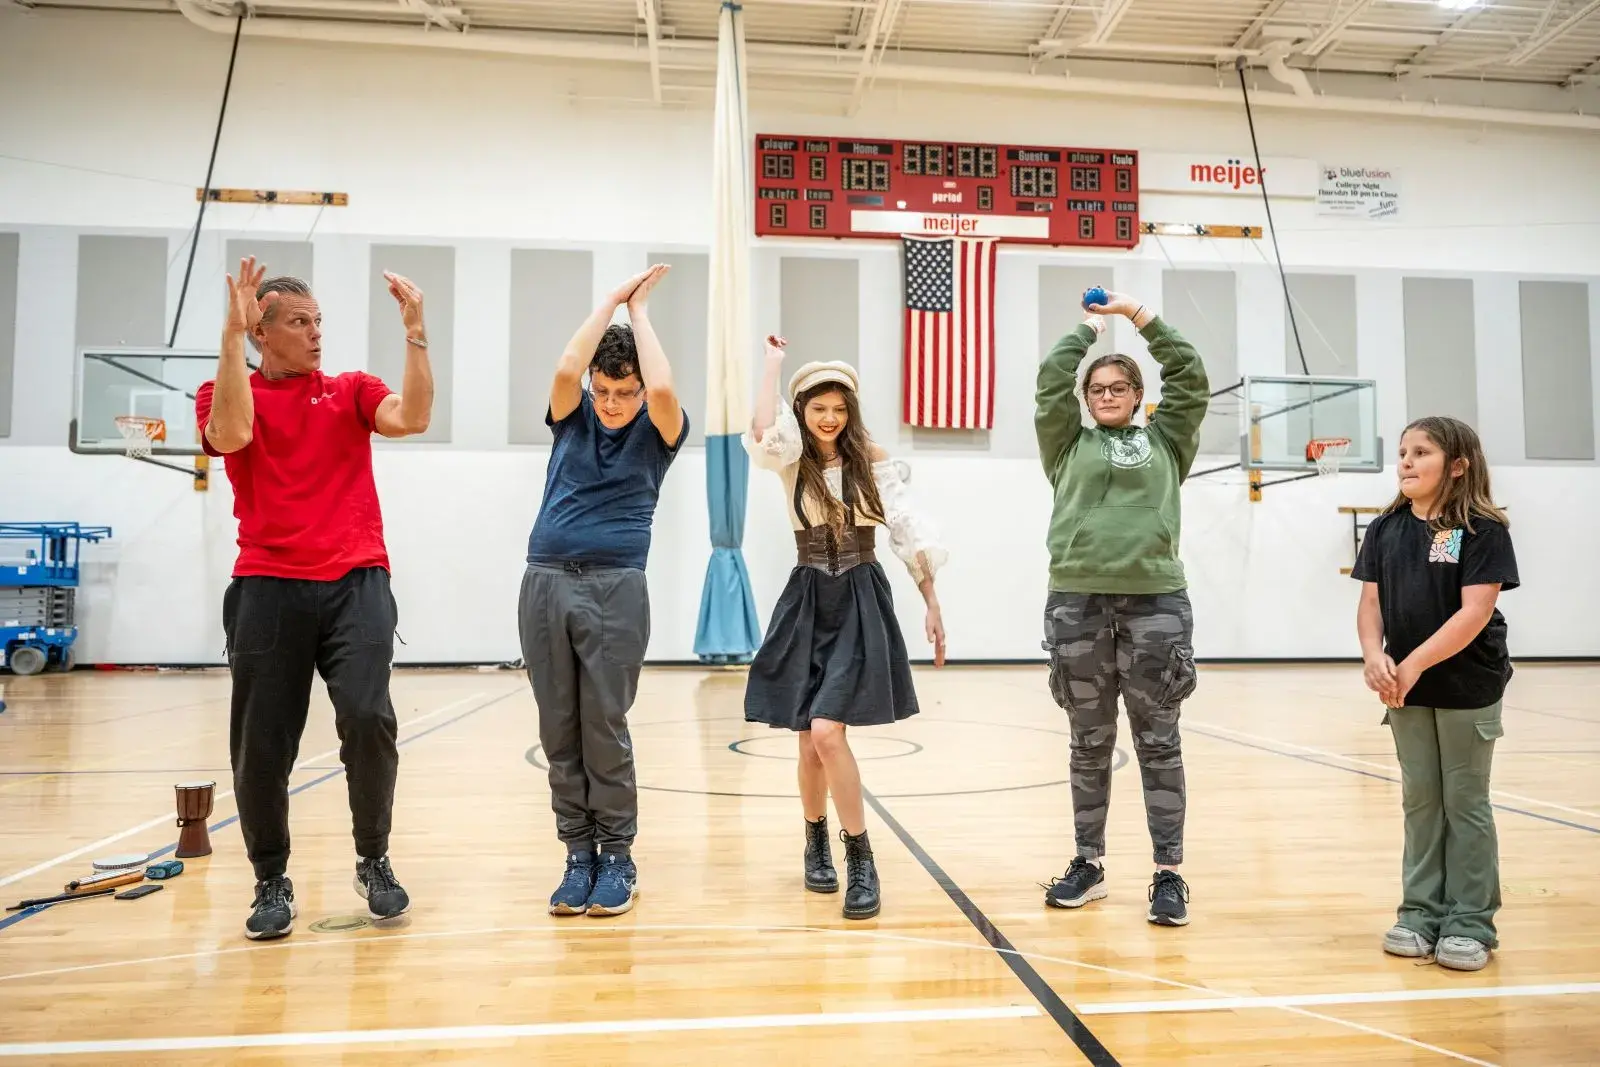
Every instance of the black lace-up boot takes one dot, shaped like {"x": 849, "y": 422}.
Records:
{"x": 861, "y": 895}
{"x": 820, "y": 875}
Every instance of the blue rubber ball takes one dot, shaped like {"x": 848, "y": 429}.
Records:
{"x": 1094, "y": 296}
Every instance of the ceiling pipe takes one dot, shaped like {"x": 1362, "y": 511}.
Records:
{"x": 1275, "y": 54}
{"x": 832, "y": 63}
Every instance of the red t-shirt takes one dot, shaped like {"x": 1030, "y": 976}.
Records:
{"x": 303, "y": 490}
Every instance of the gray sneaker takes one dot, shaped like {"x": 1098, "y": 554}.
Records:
{"x": 1462, "y": 954}
{"x": 1402, "y": 942}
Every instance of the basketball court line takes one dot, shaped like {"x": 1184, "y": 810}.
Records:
{"x": 85, "y": 850}
{"x": 1392, "y": 996}
{"x": 1221, "y": 734}
{"x": 125, "y": 770}
{"x": 1003, "y": 948}
{"x": 876, "y": 935}
{"x": 449, "y": 1034}
{"x": 1080, "y": 1035}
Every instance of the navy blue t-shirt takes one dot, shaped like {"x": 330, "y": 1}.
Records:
{"x": 601, "y": 489}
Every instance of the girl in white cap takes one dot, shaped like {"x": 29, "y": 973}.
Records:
{"x": 833, "y": 656}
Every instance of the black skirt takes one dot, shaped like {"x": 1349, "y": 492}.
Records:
{"x": 833, "y": 650}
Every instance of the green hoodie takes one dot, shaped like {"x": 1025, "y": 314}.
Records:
{"x": 1117, "y": 514}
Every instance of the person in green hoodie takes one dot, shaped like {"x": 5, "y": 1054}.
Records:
{"x": 1117, "y": 618}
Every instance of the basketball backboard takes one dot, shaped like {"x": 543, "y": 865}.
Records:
{"x": 152, "y": 382}
{"x": 1280, "y": 417}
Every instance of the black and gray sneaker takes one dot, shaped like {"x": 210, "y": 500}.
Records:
{"x": 375, "y": 881}
{"x": 1083, "y": 882}
{"x": 273, "y": 911}
{"x": 1169, "y": 898}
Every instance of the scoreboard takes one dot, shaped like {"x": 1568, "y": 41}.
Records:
{"x": 841, "y": 187}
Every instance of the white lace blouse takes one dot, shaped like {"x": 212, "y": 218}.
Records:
{"x": 910, "y": 532}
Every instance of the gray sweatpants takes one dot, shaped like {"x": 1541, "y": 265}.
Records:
{"x": 584, "y": 632}
{"x": 1140, "y": 646}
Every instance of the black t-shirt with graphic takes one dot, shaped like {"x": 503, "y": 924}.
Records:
{"x": 1420, "y": 575}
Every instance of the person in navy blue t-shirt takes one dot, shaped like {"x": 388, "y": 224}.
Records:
{"x": 584, "y": 611}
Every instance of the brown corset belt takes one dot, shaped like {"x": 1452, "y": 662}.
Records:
{"x": 818, "y": 547}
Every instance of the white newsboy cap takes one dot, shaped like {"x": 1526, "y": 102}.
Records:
{"x": 813, "y": 374}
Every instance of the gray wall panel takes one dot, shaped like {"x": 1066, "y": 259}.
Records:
{"x": 432, "y": 269}
{"x": 678, "y": 313}
{"x": 551, "y": 294}
{"x": 122, "y": 300}
{"x": 1204, "y": 306}
{"x": 9, "y": 249}
{"x": 1556, "y": 380}
{"x": 820, "y": 315}
{"x": 1325, "y": 312}
{"x": 1441, "y": 349}
{"x": 292, "y": 258}
{"x": 122, "y": 290}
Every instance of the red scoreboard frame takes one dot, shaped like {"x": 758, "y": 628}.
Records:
{"x": 844, "y": 187}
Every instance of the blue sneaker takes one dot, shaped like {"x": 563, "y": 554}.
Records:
{"x": 572, "y": 895}
{"x": 616, "y": 887}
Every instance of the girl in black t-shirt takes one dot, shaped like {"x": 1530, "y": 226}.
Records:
{"x": 1432, "y": 566}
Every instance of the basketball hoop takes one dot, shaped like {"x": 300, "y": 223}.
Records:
{"x": 1327, "y": 453}
{"x": 139, "y": 432}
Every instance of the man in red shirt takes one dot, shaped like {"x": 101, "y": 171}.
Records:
{"x": 310, "y": 590}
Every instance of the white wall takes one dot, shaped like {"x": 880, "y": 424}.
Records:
{"x": 485, "y": 152}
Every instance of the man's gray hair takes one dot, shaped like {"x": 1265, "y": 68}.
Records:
{"x": 285, "y": 285}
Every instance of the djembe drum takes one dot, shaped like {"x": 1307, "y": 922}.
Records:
{"x": 194, "y": 808}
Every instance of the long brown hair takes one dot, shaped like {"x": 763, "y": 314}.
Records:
{"x": 1463, "y": 498}
{"x": 855, "y": 453}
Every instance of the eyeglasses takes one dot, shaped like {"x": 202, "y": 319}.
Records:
{"x": 1116, "y": 389}
{"x": 621, "y": 396}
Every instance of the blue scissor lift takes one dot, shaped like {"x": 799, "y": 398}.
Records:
{"x": 38, "y": 592}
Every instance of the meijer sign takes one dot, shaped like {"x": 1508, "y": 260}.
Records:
{"x": 1227, "y": 175}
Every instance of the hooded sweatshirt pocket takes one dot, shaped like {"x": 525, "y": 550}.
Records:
{"x": 1112, "y": 536}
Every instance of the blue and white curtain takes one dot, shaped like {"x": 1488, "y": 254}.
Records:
{"x": 729, "y": 631}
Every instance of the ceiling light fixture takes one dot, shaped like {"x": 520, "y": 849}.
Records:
{"x": 1457, "y": 5}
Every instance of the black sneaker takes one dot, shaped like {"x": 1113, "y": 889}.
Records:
{"x": 572, "y": 895}
{"x": 1169, "y": 898}
{"x": 273, "y": 911}
{"x": 375, "y": 881}
{"x": 1082, "y": 883}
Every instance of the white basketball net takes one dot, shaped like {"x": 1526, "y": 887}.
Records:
{"x": 138, "y": 434}
{"x": 1328, "y": 453}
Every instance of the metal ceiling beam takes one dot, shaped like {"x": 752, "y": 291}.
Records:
{"x": 787, "y": 65}
{"x": 1051, "y": 49}
{"x": 1449, "y": 34}
{"x": 1059, "y": 19}
{"x": 1516, "y": 57}
{"x": 1541, "y": 41}
{"x": 432, "y": 14}
{"x": 1330, "y": 35}
{"x": 1052, "y": 45}
{"x": 1248, "y": 37}
{"x": 1111, "y": 13}
{"x": 652, "y": 29}
{"x": 1583, "y": 76}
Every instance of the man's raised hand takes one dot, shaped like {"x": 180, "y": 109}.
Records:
{"x": 244, "y": 310}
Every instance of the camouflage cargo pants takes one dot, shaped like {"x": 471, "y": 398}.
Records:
{"x": 1140, "y": 646}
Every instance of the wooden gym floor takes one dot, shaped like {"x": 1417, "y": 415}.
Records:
{"x": 1293, "y": 859}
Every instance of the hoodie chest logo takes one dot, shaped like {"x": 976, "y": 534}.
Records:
{"x": 1126, "y": 451}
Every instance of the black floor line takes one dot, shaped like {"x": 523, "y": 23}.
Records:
{"x": 1087, "y": 1043}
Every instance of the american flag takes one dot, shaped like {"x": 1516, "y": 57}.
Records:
{"x": 949, "y": 332}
